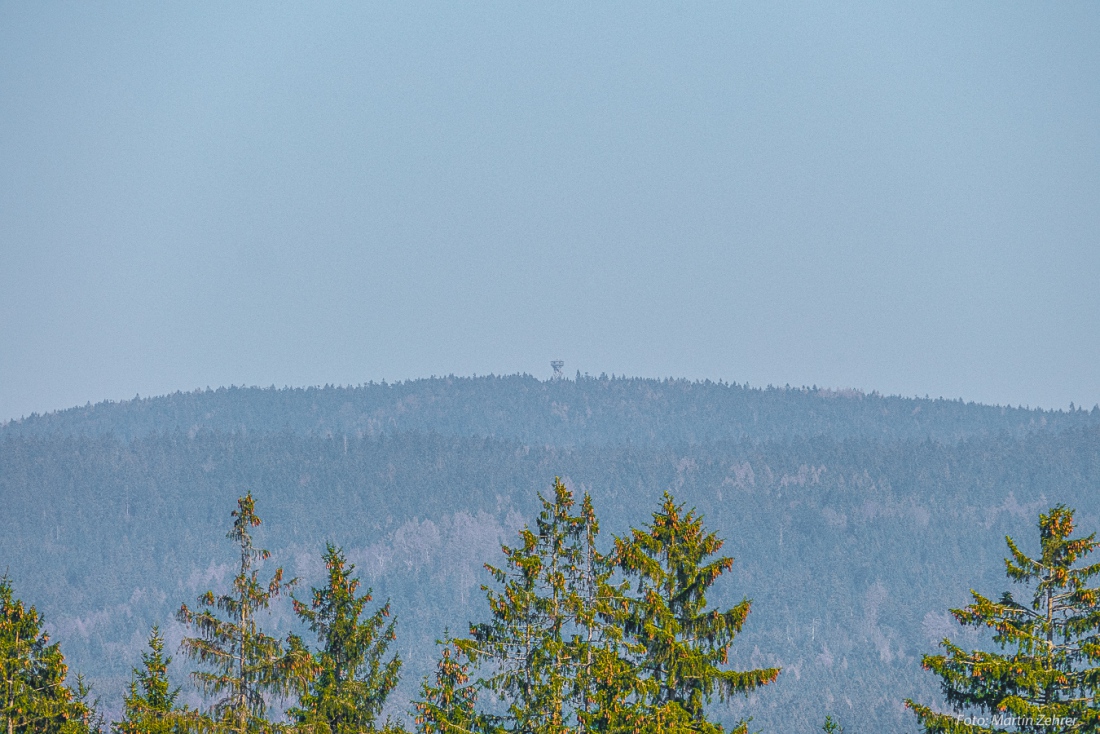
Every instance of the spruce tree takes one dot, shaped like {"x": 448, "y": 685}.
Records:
{"x": 150, "y": 707}
{"x": 605, "y": 680}
{"x": 1047, "y": 677}
{"x": 354, "y": 678}
{"x": 525, "y": 644}
{"x": 557, "y": 553}
{"x": 244, "y": 663}
{"x": 33, "y": 695}
{"x": 86, "y": 717}
{"x": 450, "y": 705}
{"x": 682, "y": 643}
{"x": 569, "y": 648}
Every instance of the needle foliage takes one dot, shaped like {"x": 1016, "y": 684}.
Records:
{"x": 353, "y": 675}
{"x": 1046, "y": 676}
{"x": 244, "y": 664}
{"x": 683, "y": 644}
{"x": 150, "y": 706}
{"x": 33, "y": 696}
{"x": 570, "y": 647}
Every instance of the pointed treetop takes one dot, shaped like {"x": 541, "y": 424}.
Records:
{"x": 1051, "y": 671}
{"x": 1058, "y": 552}
{"x": 245, "y": 518}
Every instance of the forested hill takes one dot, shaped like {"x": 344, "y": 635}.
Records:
{"x": 856, "y": 520}
{"x": 852, "y": 550}
{"x": 597, "y": 410}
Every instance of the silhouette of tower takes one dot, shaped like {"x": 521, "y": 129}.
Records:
{"x": 557, "y": 364}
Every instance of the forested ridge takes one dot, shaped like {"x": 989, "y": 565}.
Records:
{"x": 855, "y": 520}
{"x": 585, "y": 410}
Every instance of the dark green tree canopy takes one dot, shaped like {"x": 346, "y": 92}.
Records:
{"x": 525, "y": 645}
{"x": 684, "y": 645}
{"x": 244, "y": 662}
{"x": 1047, "y": 675}
{"x": 354, "y": 676}
{"x": 569, "y": 648}
{"x": 33, "y": 696}
{"x": 150, "y": 706}
{"x": 448, "y": 705}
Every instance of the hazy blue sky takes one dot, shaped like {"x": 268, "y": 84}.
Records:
{"x": 887, "y": 196}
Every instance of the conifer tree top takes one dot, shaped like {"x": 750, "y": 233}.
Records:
{"x": 1048, "y": 677}
{"x": 684, "y": 643}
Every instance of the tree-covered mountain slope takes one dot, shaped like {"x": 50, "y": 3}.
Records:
{"x": 557, "y": 412}
{"x": 851, "y": 545}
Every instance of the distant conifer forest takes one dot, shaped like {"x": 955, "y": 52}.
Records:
{"x": 504, "y": 554}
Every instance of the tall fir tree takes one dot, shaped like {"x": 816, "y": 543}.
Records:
{"x": 605, "y": 679}
{"x": 683, "y": 644}
{"x": 449, "y": 704}
{"x": 558, "y": 550}
{"x": 569, "y": 648}
{"x": 1049, "y": 678}
{"x": 87, "y": 717}
{"x": 524, "y": 644}
{"x": 355, "y": 677}
{"x": 245, "y": 663}
{"x": 33, "y": 696}
{"x": 150, "y": 706}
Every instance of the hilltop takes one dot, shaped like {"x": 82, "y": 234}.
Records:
{"x": 601, "y": 410}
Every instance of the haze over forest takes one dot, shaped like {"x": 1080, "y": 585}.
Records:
{"x": 856, "y": 520}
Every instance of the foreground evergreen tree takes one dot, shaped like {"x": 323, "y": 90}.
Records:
{"x": 1050, "y": 678}
{"x": 245, "y": 663}
{"x": 682, "y": 643}
{"x": 524, "y": 645}
{"x": 150, "y": 707}
{"x": 551, "y": 650}
{"x": 354, "y": 678}
{"x": 87, "y": 718}
{"x": 570, "y": 649}
{"x": 33, "y": 695}
{"x": 450, "y": 705}
{"x": 606, "y": 682}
